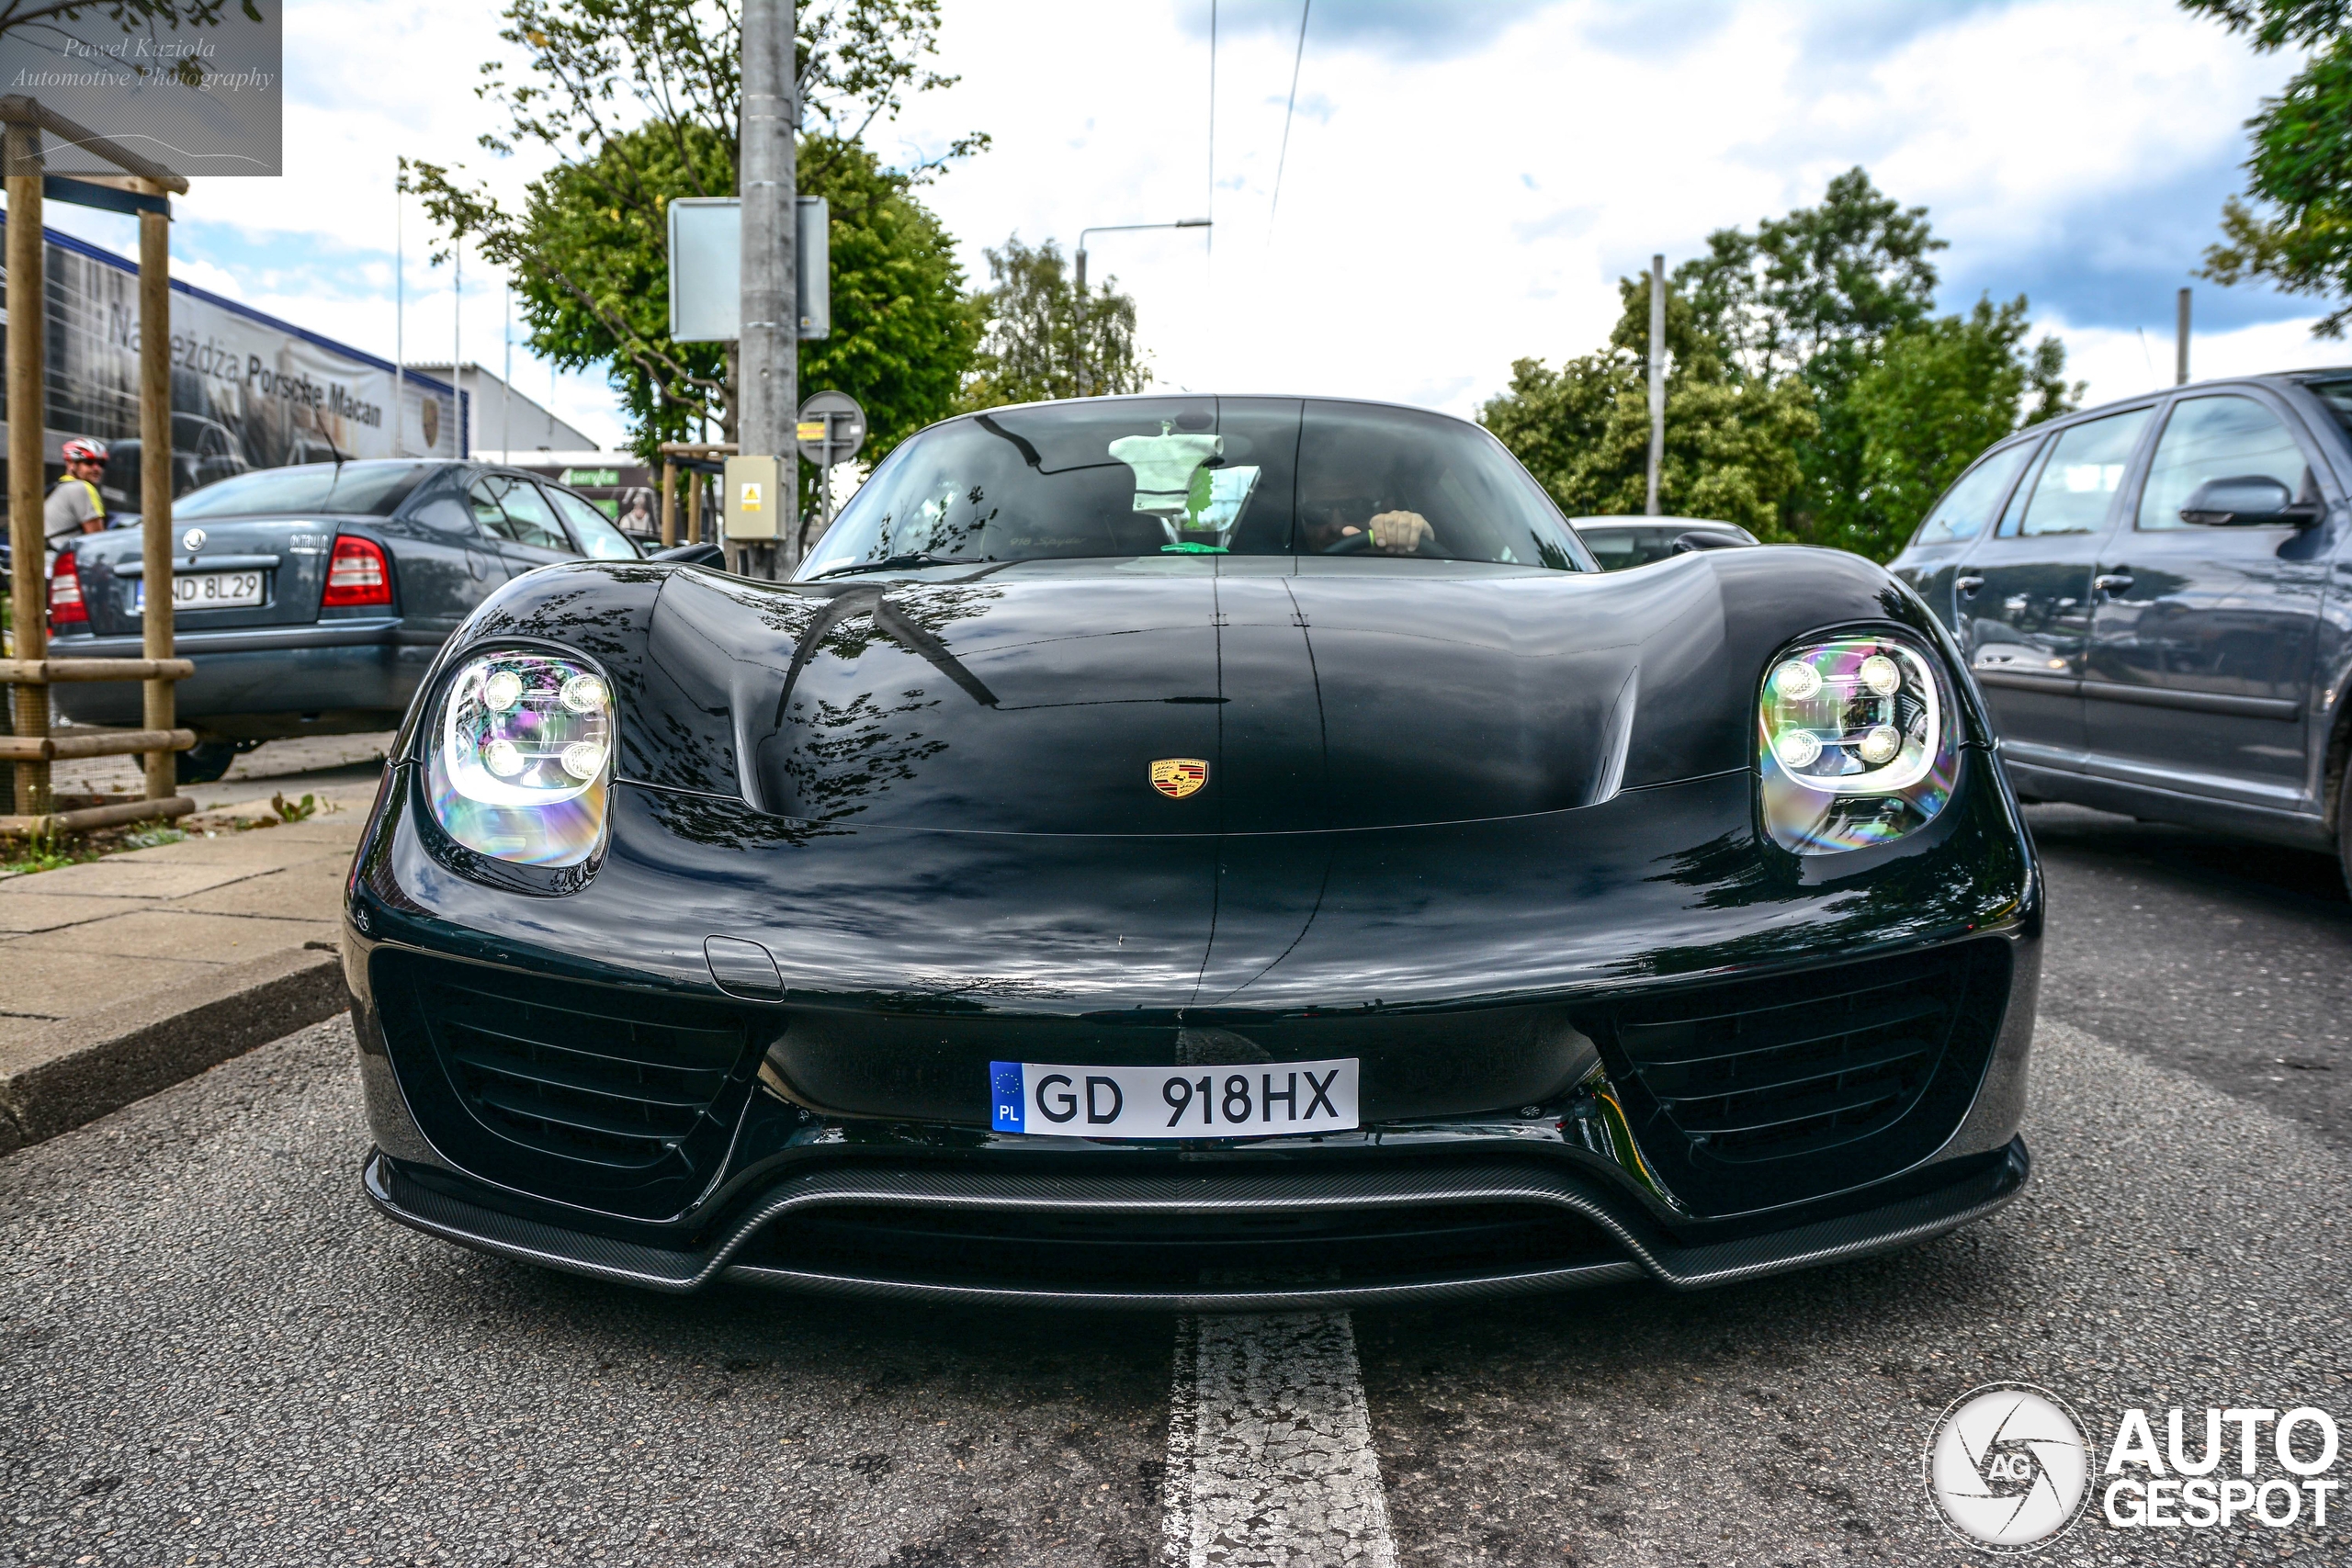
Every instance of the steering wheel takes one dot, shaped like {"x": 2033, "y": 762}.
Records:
{"x": 1360, "y": 543}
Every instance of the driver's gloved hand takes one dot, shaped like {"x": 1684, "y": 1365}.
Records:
{"x": 1400, "y": 533}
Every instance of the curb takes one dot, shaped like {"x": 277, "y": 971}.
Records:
{"x": 88, "y": 1066}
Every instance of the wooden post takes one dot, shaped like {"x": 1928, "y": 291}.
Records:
{"x": 27, "y": 418}
{"x": 155, "y": 479}
{"x": 693, "y": 506}
{"x": 669, "y": 503}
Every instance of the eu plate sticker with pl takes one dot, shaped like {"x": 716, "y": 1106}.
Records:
{"x": 1259, "y": 1100}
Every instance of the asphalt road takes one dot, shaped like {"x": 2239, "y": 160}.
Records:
{"x": 211, "y": 1352}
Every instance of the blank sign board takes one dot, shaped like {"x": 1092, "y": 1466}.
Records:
{"x": 707, "y": 269}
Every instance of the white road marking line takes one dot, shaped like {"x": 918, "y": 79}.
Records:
{"x": 1270, "y": 1456}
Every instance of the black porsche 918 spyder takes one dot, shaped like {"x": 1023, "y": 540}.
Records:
{"x": 1189, "y": 853}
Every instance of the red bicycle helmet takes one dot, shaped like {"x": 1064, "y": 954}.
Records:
{"x": 82, "y": 450}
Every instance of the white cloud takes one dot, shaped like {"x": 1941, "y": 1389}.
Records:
{"x": 1446, "y": 216}
{"x": 2121, "y": 364}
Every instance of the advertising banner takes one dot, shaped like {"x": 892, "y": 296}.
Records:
{"x": 248, "y": 391}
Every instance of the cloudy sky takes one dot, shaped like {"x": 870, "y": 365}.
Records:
{"x": 1463, "y": 184}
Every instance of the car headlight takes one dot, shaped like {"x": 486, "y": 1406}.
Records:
{"x": 1854, "y": 743}
{"x": 521, "y": 757}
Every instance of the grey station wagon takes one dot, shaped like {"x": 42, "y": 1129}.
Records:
{"x": 2153, "y": 596}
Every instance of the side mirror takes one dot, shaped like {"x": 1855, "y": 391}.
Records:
{"x": 2247, "y": 500}
{"x": 1684, "y": 544}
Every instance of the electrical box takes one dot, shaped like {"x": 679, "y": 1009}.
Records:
{"x": 707, "y": 268}
{"x": 753, "y": 503}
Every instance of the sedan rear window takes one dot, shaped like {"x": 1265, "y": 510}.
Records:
{"x": 1199, "y": 476}
{"x": 362, "y": 488}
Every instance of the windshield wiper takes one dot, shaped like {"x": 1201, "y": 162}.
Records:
{"x": 890, "y": 563}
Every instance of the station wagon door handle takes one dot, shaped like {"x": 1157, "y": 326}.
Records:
{"x": 2111, "y": 582}
{"x": 1967, "y": 586}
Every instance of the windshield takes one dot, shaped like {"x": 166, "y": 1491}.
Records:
{"x": 1199, "y": 476}
{"x": 374, "y": 489}
{"x": 2337, "y": 396}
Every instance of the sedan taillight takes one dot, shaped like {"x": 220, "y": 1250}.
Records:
{"x": 66, "y": 606}
{"x": 358, "y": 573}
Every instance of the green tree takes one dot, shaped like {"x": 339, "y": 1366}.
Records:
{"x": 1583, "y": 430}
{"x": 1816, "y": 296}
{"x": 1939, "y": 394}
{"x": 1043, "y": 341}
{"x": 2296, "y": 231}
{"x": 640, "y": 102}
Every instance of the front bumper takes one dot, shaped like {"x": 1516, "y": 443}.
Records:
{"x": 1630, "y": 1250}
{"x": 848, "y": 1163}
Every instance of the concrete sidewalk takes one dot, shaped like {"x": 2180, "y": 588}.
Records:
{"x": 124, "y": 974}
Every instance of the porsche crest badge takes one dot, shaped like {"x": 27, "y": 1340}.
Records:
{"x": 1177, "y": 778}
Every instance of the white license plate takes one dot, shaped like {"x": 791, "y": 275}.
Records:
{"x": 1261, "y": 1101}
{"x": 205, "y": 590}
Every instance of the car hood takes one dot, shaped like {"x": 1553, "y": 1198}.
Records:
{"x": 1040, "y": 698}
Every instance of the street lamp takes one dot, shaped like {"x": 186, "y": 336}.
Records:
{"x": 1125, "y": 229}
{"x": 1112, "y": 229}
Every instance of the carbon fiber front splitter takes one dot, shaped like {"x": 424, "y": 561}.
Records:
{"x": 1642, "y": 1251}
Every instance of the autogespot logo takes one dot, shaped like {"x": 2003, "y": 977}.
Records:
{"x": 2007, "y": 1467}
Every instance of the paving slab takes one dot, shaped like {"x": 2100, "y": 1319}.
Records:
{"x": 44, "y": 911}
{"x": 118, "y": 876}
{"x": 199, "y": 938}
{"x": 274, "y": 848}
{"x": 75, "y": 984}
{"x": 14, "y": 1029}
{"x": 313, "y": 891}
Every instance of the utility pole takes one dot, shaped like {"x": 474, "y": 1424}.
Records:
{"x": 1658, "y": 379}
{"x": 458, "y": 338}
{"x": 400, "y": 315}
{"x": 2180, "y": 343}
{"x": 769, "y": 344}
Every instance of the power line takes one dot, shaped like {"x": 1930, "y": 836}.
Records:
{"x": 1283, "y": 157}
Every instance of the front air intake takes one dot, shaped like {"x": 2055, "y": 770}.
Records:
{"x": 1810, "y": 1082}
{"x": 567, "y": 1088}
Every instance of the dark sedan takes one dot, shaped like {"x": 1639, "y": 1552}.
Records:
{"x": 2152, "y": 595}
{"x": 313, "y": 598}
{"x": 1184, "y": 851}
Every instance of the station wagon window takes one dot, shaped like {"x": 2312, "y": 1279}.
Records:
{"x": 2217, "y": 439}
{"x": 2079, "y": 479}
{"x": 1967, "y": 508}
